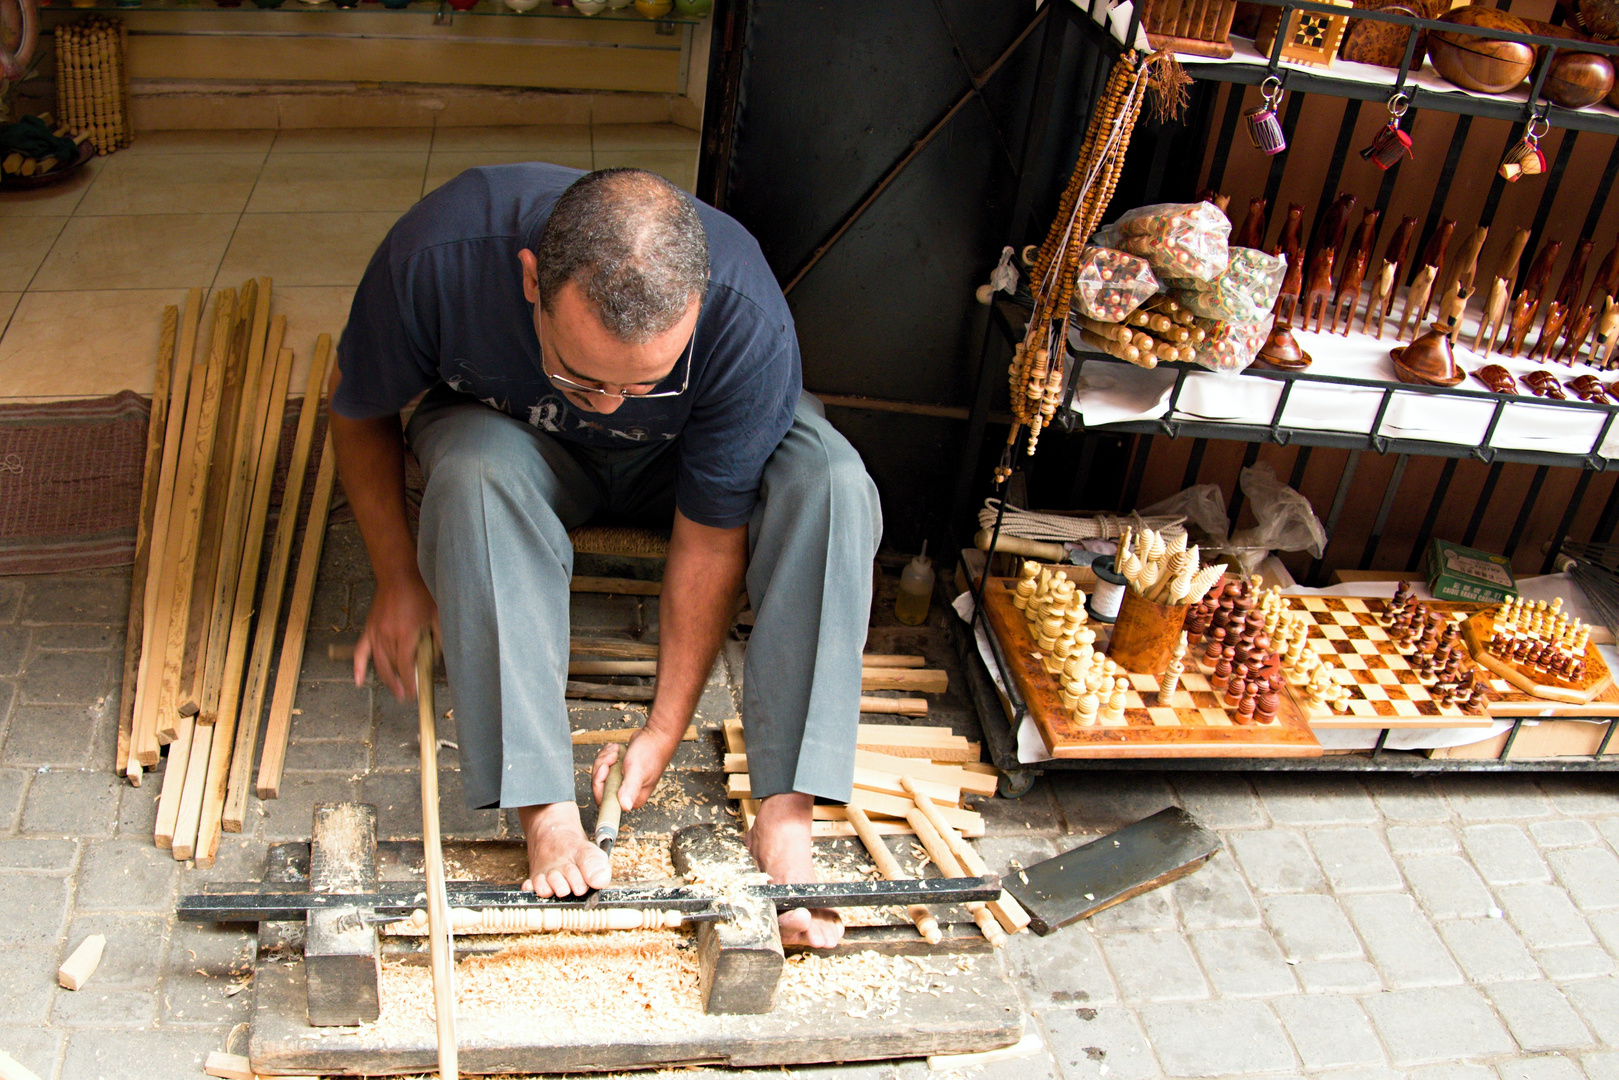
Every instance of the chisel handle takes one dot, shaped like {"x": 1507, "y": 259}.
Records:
{"x": 607, "y": 814}
{"x": 1017, "y": 545}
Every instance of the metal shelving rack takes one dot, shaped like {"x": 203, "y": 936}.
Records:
{"x": 1000, "y": 720}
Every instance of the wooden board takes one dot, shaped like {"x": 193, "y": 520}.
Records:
{"x": 1197, "y": 725}
{"x": 1596, "y": 678}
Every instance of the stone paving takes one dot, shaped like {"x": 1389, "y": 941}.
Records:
{"x": 1353, "y": 928}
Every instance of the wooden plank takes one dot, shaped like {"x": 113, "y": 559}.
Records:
{"x": 894, "y": 706}
{"x": 174, "y": 781}
{"x": 1111, "y": 869}
{"x": 893, "y": 660}
{"x": 619, "y": 735}
{"x": 910, "y": 680}
{"x": 279, "y": 726}
{"x": 151, "y": 477}
{"x": 612, "y": 667}
{"x": 228, "y": 1066}
{"x": 1196, "y": 725}
{"x": 143, "y": 739}
{"x": 247, "y": 732}
{"x": 622, "y": 650}
{"x": 617, "y": 586}
{"x": 969, "y": 822}
{"x": 223, "y": 744}
{"x": 975, "y": 783}
{"x": 189, "y": 815}
{"x": 925, "y": 743}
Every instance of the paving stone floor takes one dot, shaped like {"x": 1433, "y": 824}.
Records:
{"x": 1353, "y": 928}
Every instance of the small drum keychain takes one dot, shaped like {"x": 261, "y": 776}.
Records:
{"x": 1525, "y": 158}
{"x": 1390, "y": 144}
{"x": 1264, "y": 128}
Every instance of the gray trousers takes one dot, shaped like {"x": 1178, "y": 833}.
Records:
{"x": 493, "y": 548}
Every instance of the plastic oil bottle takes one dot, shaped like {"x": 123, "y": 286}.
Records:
{"x": 915, "y": 590}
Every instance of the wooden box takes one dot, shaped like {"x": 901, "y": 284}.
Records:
{"x": 1199, "y": 27}
{"x": 1311, "y": 38}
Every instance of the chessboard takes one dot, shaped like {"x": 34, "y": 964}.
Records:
{"x": 1387, "y": 693}
{"x": 1596, "y": 678}
{"x": 1196, "y": 724}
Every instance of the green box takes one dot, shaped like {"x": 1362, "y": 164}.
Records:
{"x": 1464, "y": 573}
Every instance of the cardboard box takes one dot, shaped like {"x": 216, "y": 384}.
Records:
{"x": 1463, "y": 573}
{"x": 1538, "y": 739}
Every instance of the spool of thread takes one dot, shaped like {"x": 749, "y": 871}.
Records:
{"x": 1104, "y": 600}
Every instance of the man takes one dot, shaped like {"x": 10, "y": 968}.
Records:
{"x": 602, "y": 347}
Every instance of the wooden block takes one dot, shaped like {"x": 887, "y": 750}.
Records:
{"x": 894, "y": 706}
{"x": 228, "y": 1066}
{"x": 73, "y": 974}
{"x": 914, "y": 680}
{"x": 976, "y": 783}
{"x": 1111, "y": 869}
{"x": 739, "y": 961}
{"x": 342, "y": 956}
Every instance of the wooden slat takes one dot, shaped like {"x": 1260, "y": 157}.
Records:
{"x": 894, "y": 706}
{"x": 969, "y": 822}
{"x": 601, "y": 737}
{"x": 911, "y": 680}
{"x": 1007, "y": 911}
{"x": 936, "y": 744}
{"x": 174, "y": 782}
{"x": 617, "y": 586}
{"x": 247, "y": 731}
{"x": 893, "y": 660}
{"x": 279, "y": 726}
{"x": 184, "y": 842}
{"x": 974, "y": 783}
{"x": 151, "y": 476}
{"x": 173, "y": 438}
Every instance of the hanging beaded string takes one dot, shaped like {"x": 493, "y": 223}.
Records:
{"x": 1036, "y": 382}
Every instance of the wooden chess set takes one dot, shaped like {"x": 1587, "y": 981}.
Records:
{"x": 1252, "y": 671}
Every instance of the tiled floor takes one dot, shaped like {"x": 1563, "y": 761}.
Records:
{"x": 86, "y": 267}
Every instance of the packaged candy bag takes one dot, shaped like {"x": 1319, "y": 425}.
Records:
{"x": 1111, "y": 284}
{"x": 1232, "y": 346}
{"x": 1245, "y": 293}
{"x": 1182, "y": 241}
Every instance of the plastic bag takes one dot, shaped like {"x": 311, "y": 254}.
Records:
{"x": 1232, "y": 346}
{"x": 1182, "y": 241}
{"x": 1203, "y": 507}
{"x": 1287, "y": 522}
{"x": 1245, "y": 293}
{"x": 1111, "y": 284}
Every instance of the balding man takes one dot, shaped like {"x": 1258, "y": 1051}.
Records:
{"x": 603, "y": 348}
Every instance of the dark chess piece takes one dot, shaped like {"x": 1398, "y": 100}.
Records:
{"x": 1269, "y": 702}
{"x": 1236, "y": 684}
{"x": 1222, "y": 672}
{"x": 1211, "y": 655}
{"x": 1245, "y": 708}
{"x": 1441, "y": 655}
{"x": 1197, "y": 620}
{"x": 1402, "y": 596}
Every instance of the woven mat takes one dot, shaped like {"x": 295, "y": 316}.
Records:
{"x": 70, "y": 482}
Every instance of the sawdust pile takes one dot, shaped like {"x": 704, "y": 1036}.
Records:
{"x": 869, "y": 983}
{"x": 634, "y": 982}
{"x": 642, "y": 858}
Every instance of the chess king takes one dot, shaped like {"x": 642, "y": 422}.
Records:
{"x": 600, "y": 347}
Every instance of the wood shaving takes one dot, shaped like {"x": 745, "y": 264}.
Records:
{"x": 869, "y": 983}
{"x": 642, "y": 858}
{"x": 630, "y": 983}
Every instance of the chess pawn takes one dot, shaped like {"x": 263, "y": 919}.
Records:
{"x": 1245, "y": 708}
{"x": 1086, "y": 713}
{"x": 1235, "y": 685}
{"x": 1168, "y": 681}
{"x": 1222, "y": 672}
{"x": 1216, "y": 646}
{"x": 1025, "y": 587}
{"x": 1340, "y": 700}
{"x": 1116, "y": 703}
{"x": 1073, "y": 671}
{"x": 1070, "y": 695}
{"x": 1269, "y": 703}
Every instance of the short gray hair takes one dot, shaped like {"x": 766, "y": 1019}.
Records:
{"x": 634, "y": 245}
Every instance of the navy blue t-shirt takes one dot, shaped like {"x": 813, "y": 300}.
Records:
{"x": 442, "y": 301}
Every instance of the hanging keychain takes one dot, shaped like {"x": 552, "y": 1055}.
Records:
{"x": 1525, "y": 158}
{"x": 1390, "y": 144}
{"x": 1263, "y": 126}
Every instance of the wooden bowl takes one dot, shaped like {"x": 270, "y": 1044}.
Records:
{"x": 1482, "y": 65}
{"x": 1575, "y": 79}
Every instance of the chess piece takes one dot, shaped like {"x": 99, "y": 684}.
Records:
{"x": 1245, "y": 708}
{"x": 1269, "y": 702}
{"x": 1234, "y": 685}
{"x": 1172, "y": 675}
{"x": 1116, "y": 702}
{"x": 1088, "y": 704}
{"x": 1216, "y": 646}
{"x": 1353, "y": 273}
{"x": 1527, "y": 303}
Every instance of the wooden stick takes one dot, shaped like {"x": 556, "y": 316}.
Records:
{"x": 623, "y": 650}
{"x": 438, "y": 901}
{"x": 174, "y": 781}
{"x": 619, "y": 735}
{"x": 1007, "y": 911}
{"x": 154, "y": 628}
{"x": 895, "y": 706}
{"x": 612, "y": 667}
{"x": 247, "y": 732}
{"x": 151, "y": 476}
{"x": 256, "y": 385}
{"x": 186, "y": 818}
{"x": 946, "y": 861}
{"x": 279, "y": 726}
{"x": 892, "y": 660}
{"x": 230, "y": 697}
{"x": 78, "y": 968}
{"x": 619, "y": 586}
{"x": 926, "y": 924}
{"x": 185, "y": 526}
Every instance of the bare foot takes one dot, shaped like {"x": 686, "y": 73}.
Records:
{"x": 561, "y": 860}
{"x": 780, "y": 843}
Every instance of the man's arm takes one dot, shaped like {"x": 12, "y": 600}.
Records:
{"x": 371, "y": 462}
{"x": 701, "y": 579}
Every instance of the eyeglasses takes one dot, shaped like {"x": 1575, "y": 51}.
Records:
{"x": 564, "y": 383}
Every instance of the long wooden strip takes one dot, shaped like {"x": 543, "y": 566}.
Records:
{"x": 967, "y": 822}
{"x": 895, "y": 706}
{"x": 441, "y": 948}
{"x": 247, "y": 731}
{"x": 1007, "y": 911}
{"x": 619, "y": 586}
{"x": 211, "y": 539}
{"x": 893, "y": 660}
{"x": 896, "y": 740}
{"x": 620, "y": 650}
{"x": 914, "y": 680}
{"x": 889, "y": 867}
{"x": 143, "y": 741}
{"x": 831, "y": 822}
{"x": 739, "y": 786}
{"x": 180, "y": 565}
{"x": 151, "y": 475}
{"x": 600, "y": 737}
{"x": 174, "y": 782}
{"x": 279, "y": 726}
{"x": 184, "y": 840}
{"x": 950, "y": 866}
{"x": 220, "y": 751}
{"x": 970, "y": 783}
{"x": 257, "y": 383}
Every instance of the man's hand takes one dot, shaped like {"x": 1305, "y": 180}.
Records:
{"x": 645, "y": 759}
{"x": 399, "y": 614}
